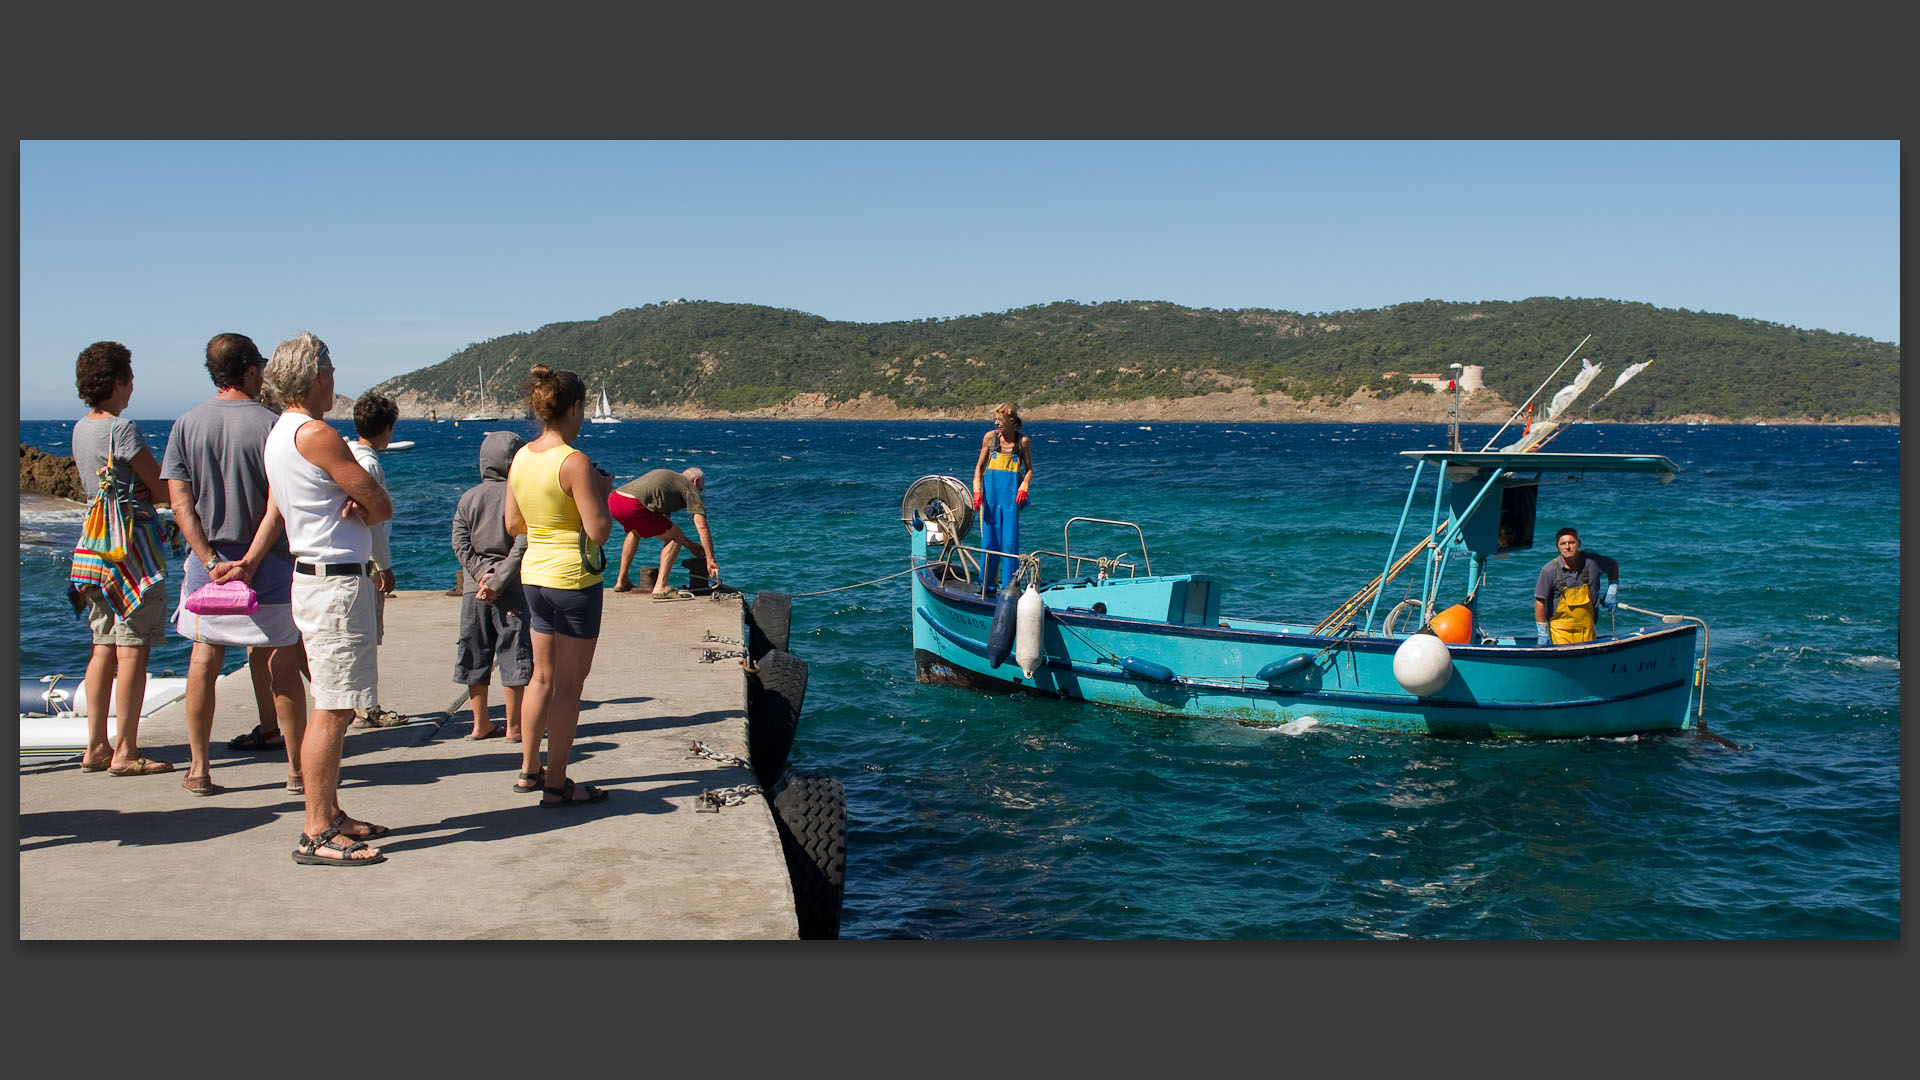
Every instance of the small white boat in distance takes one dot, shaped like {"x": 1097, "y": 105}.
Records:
{"x": 403, "y": 444}
{"x": 605, "y": 415}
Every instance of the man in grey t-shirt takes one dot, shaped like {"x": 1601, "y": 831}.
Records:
{"x": 215, "y": 469}
{"x": 1567, "y": 598}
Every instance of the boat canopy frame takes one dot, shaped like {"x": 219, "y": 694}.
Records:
{"x": 1491, "y": 470}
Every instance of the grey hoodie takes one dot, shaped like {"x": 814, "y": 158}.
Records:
{"x": 480, "y": 539}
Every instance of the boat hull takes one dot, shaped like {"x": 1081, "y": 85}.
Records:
{"x": 1634, "y": 683}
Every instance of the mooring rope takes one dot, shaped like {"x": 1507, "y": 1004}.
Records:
{"x": 857, "y": 584}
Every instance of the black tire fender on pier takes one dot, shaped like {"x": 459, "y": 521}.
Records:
{"x": 776, "y": 690}
{"x": 810, "y": 810}
{"x": 769, "y": 623}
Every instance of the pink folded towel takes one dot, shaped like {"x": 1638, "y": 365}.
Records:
{"x": 224, "y": 598}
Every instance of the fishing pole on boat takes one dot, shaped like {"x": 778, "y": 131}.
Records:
{"x": 1554, "y": 433}
{"x": 1535, "y": 394}
{"x": 1354, "y": 603}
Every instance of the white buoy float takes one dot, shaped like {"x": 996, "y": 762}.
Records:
{"x": 1422, "y": 664}
{"x": 1028, "y": 619}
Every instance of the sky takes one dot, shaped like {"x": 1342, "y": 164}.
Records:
{"x": 400, "y": 254}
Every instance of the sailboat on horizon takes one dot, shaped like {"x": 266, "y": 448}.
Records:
{"x": 484, "y": 413}
{"x": 605, "y": 415}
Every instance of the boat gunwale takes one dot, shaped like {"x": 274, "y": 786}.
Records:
{"x": 1087, "y": 618}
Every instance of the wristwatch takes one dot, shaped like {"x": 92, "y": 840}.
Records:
{"x": 210, "y": 564}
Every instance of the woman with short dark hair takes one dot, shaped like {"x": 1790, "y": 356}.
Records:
{"x": 122, "y": 641}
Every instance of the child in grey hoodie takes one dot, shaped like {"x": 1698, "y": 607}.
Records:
{"x": 493, "y": 609}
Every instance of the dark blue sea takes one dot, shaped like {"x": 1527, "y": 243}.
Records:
{"x": 1010, "y": 817}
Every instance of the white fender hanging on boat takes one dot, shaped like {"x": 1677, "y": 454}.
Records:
{"x": 1422, "y": 664}
{"x": 1028, "y": 618}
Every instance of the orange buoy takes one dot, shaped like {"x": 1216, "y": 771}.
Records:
{"x": 1454, "y": 625}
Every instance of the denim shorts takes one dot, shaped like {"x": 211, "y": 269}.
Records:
{"x": 572, "y": 613}
{"x": 491, "y": 633}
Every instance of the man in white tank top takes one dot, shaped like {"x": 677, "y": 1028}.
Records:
{"x": 327, "y": 504}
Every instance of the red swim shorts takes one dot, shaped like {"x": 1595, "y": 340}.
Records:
{"x": 633, "y": 515}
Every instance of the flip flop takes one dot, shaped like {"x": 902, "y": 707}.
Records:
{"x": 496, "y": 733}
{"x": 143, "y": 767}
{"x": 676, "y": 594}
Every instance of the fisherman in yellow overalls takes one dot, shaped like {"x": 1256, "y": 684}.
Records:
{"x": 1569, "y": 591}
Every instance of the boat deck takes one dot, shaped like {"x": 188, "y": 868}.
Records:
{"x": 105, "y": 857}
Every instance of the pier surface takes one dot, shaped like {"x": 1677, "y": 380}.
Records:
{"x": 106, "y": 857}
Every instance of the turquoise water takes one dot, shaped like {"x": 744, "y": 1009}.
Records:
{"x": 977, "y": 816}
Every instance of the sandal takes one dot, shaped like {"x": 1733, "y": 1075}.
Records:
{"x": 566, "y": 798}
{"x": 258, "y": 740}
{"x": 88, "y": 766}
{"x": 296, "y": 785}
{"x": 671, "y": 594}
{"x": 142, "y": 767}
{"x": 374, "y": 832}
{"x": 333, "y": 841}
{"x": 530, "y": 782}
{"x": 378, "y": 717}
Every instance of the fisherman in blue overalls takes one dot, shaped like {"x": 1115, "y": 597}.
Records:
{"x": 1000, "y": 480}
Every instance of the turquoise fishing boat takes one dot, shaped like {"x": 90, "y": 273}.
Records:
{"x": 1113, "y": 631}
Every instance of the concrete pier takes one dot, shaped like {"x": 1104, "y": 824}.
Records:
{"x": 106, "y": 857}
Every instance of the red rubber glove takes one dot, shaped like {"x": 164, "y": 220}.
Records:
{"x": 1020, "y": 497}
{"x": 977, "y": 500}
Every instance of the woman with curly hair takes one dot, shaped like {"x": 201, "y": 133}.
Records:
{"x": 117, "y": 670}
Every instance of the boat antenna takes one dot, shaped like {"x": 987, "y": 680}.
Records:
{"x": 1535, "y": 394}
{"x": 1453, "y": 406}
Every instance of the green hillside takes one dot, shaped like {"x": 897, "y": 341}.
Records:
{"x": 737, "y": 357}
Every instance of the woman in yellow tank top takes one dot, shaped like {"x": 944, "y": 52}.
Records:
{"x": 559, "y": 500}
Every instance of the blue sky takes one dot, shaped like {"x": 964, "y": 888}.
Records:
{"x": 400, "y": 254}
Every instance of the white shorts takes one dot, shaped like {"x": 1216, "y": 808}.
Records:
{"x": 338, "y": 622}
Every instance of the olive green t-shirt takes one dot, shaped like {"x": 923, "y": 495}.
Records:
{"x": 663, "y": 491}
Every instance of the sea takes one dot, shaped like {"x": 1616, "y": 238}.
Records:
{"x": 1013, "y": 817}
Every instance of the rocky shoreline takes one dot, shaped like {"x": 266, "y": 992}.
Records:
{"x": 45, "y": 474}
{"x": 1226, "y": 406}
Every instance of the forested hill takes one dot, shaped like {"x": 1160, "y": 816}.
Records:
{"x": 722, "y": 357}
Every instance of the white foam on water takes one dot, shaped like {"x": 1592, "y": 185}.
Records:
{"x": 1298, "y": 727}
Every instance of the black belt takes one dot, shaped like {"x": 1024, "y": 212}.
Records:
{"x": 338, "y": 569}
